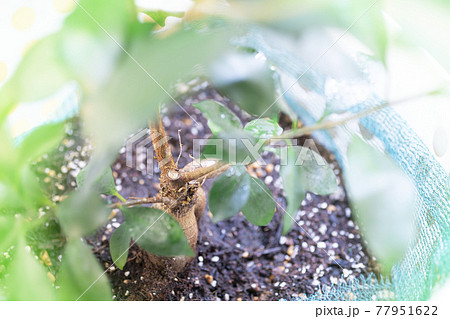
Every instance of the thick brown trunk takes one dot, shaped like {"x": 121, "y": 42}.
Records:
{"x": 188, "y": 199}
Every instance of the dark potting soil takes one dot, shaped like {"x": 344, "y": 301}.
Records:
{"x": 236, "y": 260}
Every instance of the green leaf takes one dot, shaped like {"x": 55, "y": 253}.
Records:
{"x": 295, "y": 193}
{"x": 315, "y": 174}
{"x": 119, "y": 245}
{"x": 304, "y": 170}
{"x": 260, "y": 206}
{"x": 82, "y": 213}
{"x": 157, "y": 232}
{"x": 383, "y": 198}
{"x": 263, "y": 128}
{"x": 220, "y": 118}
{"x": 229, "y": 193}
{"x": 81, "y": 277}
{"x": 370, "y": 28}
{"x": 233, "y": 146}
{"x": 27, "y": 278}
{"x": 159, "y": 16}
{"x": 246, "y": 81}
{"x": 40, "y": 141}
{"x": 104, "y": 184}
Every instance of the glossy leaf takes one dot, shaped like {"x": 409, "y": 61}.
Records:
{"x": 383, "y": 198}
{"x": 304, "y": 170}
{"x": 293, "y": 188}
{"x": 104, "y": 184}
{"x": 81, "y": 277}
{"x": 229, "y": 193}
{"x": 82, "y": 213}
{"x": 27, "y": 278}
{"x": 315, "y": 173}
{"x": 220, "y": 118}
{"x": 119, "y": 245}
{"x": 260, "y": 206}
{"x": 40, "y": 141}
{"x": 246, "y": 81}
{"x": 263, "y": 128}
{"x": 157, "y": 232}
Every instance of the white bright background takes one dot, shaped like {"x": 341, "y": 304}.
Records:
{"x": 410, "y": 71}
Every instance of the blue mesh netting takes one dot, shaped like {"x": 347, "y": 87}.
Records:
{"x": 427, "y": 261}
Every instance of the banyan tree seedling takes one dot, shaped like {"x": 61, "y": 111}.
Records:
{"x": 168, "y": 229}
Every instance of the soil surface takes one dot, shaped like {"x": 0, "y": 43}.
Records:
{"x": 235, "y": 259}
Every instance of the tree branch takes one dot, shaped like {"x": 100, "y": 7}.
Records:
{"x": 162, "y": 148}
{"x": 206, "y": 172}
{"x": 140, "y": 201}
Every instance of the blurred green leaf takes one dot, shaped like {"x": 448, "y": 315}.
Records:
{"x": 429, "y": 29}
{"x": 113, "y": 17}
{"x": 40, "y": 73}
{"x": 156, "y": 232}
{"x": 263, "y": 128}
{"x": 233, "y": 146}
{"x": 104, "y": 184}
{"x": 383, "y": 198}
{"x": 142, "y": 83}
{"x": 81, "y": 277}
{"x": 10, "y": 198}
{"x": 260, "y": 206}
{"x": 27, "y": 279}
{"x": 247, "y": 81}
{"x": 8, "y": 232}
{"x": 92, "y": 37}
{"x": 40, "y": 141}
{"x": 30, "y": 190}
{"x": 8, "y": 158}
{"x": 229, "y": 193}
{"x": 219, "y": 117}
{"x": 119, "y": 245}
{"x": 82, "y": 213}
{"x": 293, "y": 188}
{"x": 370, "y": 28}
{"x": 159, "y": 16}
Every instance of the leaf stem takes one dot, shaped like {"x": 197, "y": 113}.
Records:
{"x": 120, "y": 196}
{"x": 330, "y": 124}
